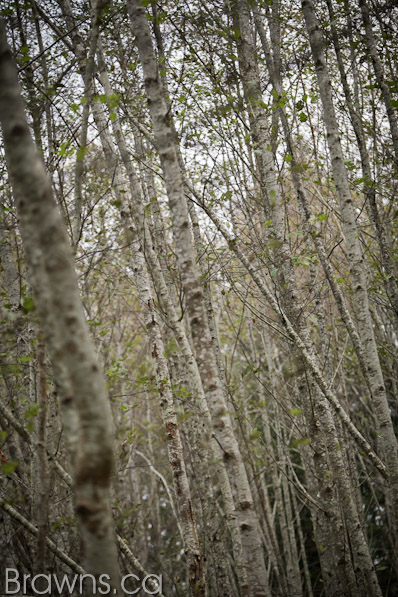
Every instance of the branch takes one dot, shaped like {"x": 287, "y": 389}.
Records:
{"x": 33, "y": 530}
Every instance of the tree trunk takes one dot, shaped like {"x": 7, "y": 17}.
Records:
{"x": 58, "y": 303}
{"x": 388, "y": 442}
{"x": 165, "y": 142}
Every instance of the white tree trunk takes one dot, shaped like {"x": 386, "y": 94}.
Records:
{"x": 58, "y": 303}
{"x": 222, "y": 428}
{"x": 388, "y": 441}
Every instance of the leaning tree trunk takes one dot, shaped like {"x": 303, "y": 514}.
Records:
{"x": 54, "y": 282}
{"x": 326, "y": 438}
{"x": 388, "y": 440}
{"x": 369, "y": 187}
{"x": 222, "y": 427}
{"x": 136, "y": 234}
{"x": 381, "y": 79}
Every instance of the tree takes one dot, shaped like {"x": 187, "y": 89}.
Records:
{"x": 225, "y": 174}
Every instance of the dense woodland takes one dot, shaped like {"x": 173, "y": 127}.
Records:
{"x": 199, "y": 296}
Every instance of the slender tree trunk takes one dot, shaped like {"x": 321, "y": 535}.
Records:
{"x": 165, "y": 142}
{"x": 54, "y": 281}
{"x": 11, "y": 275}
{"x": 136, "y": 235}
{"x": 306, "y": 213}
{"x": 253, "y": 268}
{"x": 335, "y": 535}
{"x": 369, "y": 187}
{"x": 388, "y": 442}
{"x": 44, "y": 486}
{"x": 380, "y": 76}
{"x": 33, "y": 531}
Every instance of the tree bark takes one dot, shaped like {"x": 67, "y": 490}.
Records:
{"x": 58, "y": 303}
{"x": 165, "y": 143}
{"x": 388, "y": 441}
{"x": 380, "y": 77}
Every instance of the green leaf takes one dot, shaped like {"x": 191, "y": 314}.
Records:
{"x": 171, "y": 347}
{"x": 255, "y": 434}
{"x": 32, "y": 410}
{"x": 25, "y": 359}
{"x": 280, "y": 103}
{"x": 28, "y": 304}
{"x": 113, "y": 101}
{"x": 300, "y": 442}
{"x": 226, "y": 196}
{"x": 81, "y": 152}
{"x": 299, "y": 168}
{"x": 64, "y": 149}
{"x": 9, "y": 467}
{"x": 113, "y": 116}
{"x": 275, "y": 243}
